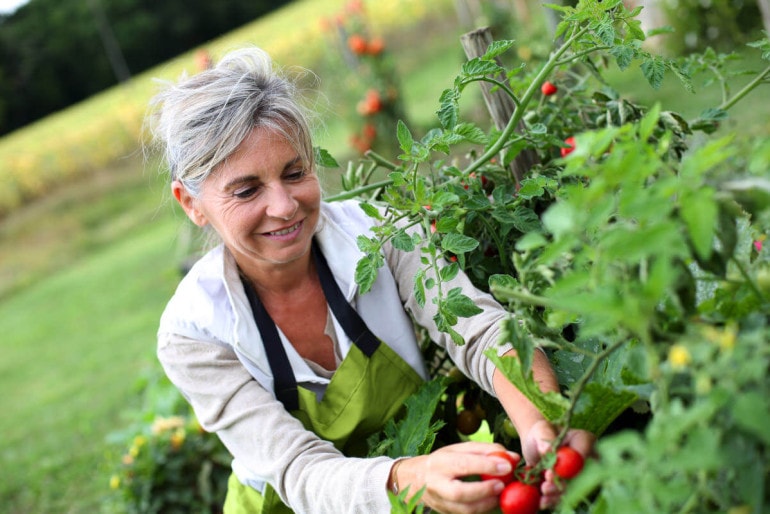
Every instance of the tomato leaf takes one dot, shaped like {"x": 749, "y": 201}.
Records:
{"x": 552, "y": 405}
{"x": 415, "y": 433}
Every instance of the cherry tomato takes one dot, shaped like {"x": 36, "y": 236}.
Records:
{"x": 508, "y": 477}
{"x": 468, "y": 422}
{"x": 569, "y": 462}
{"x": 548, "y": 88}
{"x": 357, "y": 44}
{"x": 566, "y": 151}
{"x": 520, "y": 498}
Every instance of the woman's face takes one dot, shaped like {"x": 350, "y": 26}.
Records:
{"x": 263, "y": 201}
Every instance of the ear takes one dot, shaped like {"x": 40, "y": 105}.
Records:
{"x": 188, "y": 202}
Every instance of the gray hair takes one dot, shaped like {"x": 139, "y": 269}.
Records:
{"x": 200, "y": 121}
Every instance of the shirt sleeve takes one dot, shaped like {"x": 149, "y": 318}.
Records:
{"x": 308, "y": 473}
{"x": 480, "y": 332}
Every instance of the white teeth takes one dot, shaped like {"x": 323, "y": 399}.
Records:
{"x": 285, "y": 231}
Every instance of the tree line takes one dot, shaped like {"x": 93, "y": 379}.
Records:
{"x": 54, "y": 54}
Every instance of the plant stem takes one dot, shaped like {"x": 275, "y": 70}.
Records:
{"x": 581, "y": 384}
{"x": 358, "y": 191}
{"x": 752, "y": 285}
{"x": 518, "y": 114}
{"x": 745, "y": 90}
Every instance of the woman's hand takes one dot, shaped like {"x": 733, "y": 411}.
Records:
{"x": 442, "y": 473}
{"x": 538, "y": 442}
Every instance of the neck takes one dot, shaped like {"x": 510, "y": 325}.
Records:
{"x": 281, "y": 279}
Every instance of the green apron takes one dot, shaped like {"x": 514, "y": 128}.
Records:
{"x": 368, "y": 388}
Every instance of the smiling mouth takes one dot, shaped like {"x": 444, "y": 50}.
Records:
{"x": 285, "y": 231}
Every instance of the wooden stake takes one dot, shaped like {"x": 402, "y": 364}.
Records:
{"x": 499, "y": 104}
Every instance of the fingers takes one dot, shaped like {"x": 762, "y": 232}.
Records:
{"x": 444, "y": 473}
{"x": 582, "y": 441}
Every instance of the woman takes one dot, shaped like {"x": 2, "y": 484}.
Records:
{"x": 267, "y": 337}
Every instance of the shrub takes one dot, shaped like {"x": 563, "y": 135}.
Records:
{"x": 168, "y": 463}
{"x": 633, "y": 260}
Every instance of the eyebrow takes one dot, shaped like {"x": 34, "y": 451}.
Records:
{"x": 251, "y": 178}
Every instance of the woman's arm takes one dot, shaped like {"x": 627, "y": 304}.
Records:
{"x": 307, "y": 472}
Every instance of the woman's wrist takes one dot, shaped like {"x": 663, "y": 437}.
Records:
{"x": 393, "y": 484}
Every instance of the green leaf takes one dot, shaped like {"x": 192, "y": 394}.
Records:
{"x": 605, "y": 31}
{"x": 366, "y": 271}
{"x": 699, "y": 212}
{"x": 371, "y": 210}
{"x": 405, "y": 139}
{"x": 416, "y": 432}
{"x": 500, "y": 280}
{"x": 402, "y": 241}
{"x": 324, "y": 159}
{"x": 478, "y": 68}
{"x": 600, "y": 405}
{"x": 683, "y": 75}
{"x": 472, "y": 133}
{"x": 654, "y": 68}
{"x": 649, "y": 122}
{"x": 449, "y": 272}
{"x": 498, "y": 48}
{"x": 458, "y": 243}
{"x": 624, "y": 55}
{"x": 751, "y": 411}
{"x": 419, "y": 288}
{"x": 552, "y": 405}
{"x": 398, "y": 178}
{"x": 448, "y": 112}
{"x": 460, "y": 305}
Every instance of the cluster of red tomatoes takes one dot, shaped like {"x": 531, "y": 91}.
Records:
{"x": 522, "y": 492}
{"x": 360, "y": 46}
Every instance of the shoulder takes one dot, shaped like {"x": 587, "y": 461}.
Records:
{"x": 200, "y": 304}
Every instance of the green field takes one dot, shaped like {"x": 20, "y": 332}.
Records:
{"x": 87, "y": 269}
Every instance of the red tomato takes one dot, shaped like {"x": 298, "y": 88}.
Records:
{"x": 566, "y": 151}
{"x": 508, "y": 477}
{"x": 376, "y": 46}
{"x": 357, "y": 44}
{"x": 520, "y": 498}
{"x": 548, "y": 88}
{"x": 569, "y": 462}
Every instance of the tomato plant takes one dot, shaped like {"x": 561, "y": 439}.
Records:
{"x": 632, "y": 263}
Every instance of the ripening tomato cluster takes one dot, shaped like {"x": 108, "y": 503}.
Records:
{"x": 521, "y": 494}
{"x": 371, "y": 104}
{"x": 363, "y": 141}
{"x": 360, "y": 46}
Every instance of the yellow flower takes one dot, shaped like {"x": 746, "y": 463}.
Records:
{"x": 140, "y": 441}
{"x": 679, "y": 356}
{"x": 161, "y": 425}
{"x": 114, "y": 482}
{"x": 133, "y": 451}
{"x": 177, "y": 438}
{"x": 725, "y": 338}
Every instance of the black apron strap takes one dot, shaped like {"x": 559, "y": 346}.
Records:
{"x": 346, "y": 315}
{"x": 284, "y": 383}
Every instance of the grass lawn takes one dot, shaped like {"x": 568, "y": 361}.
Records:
{"x": 74, "y": 345}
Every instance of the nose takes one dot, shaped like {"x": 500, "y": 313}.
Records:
{"x": 281, "y": 203}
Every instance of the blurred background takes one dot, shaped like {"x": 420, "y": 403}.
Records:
{"x": 90, "y": 246}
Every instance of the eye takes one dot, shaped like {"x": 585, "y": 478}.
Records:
{"x": 245, "y": 192}
{"x": 296, "y": 174}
